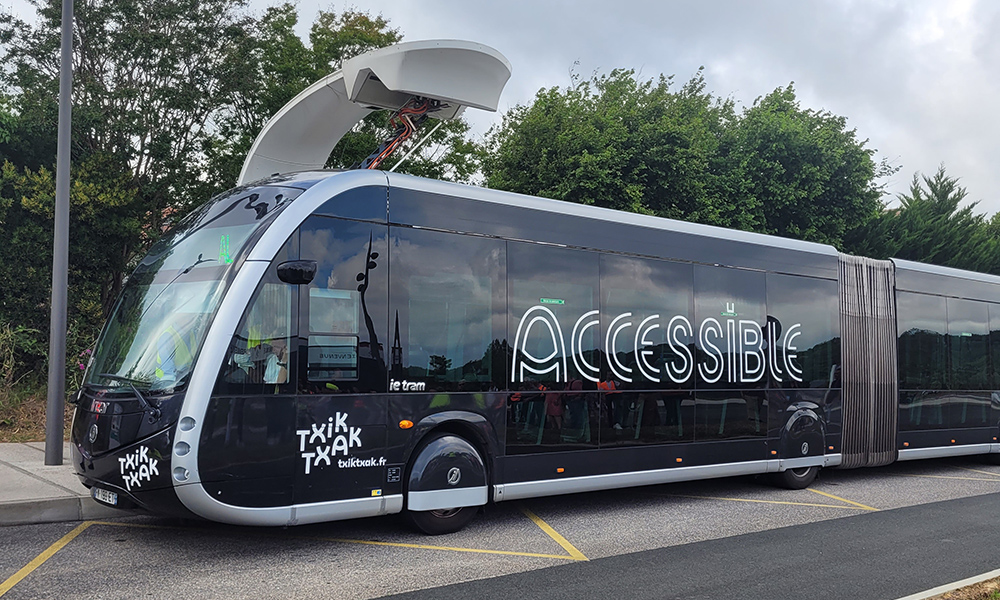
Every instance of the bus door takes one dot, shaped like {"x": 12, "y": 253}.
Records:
{"x": 246, "y": 453}
{"x": 340, "y": 414}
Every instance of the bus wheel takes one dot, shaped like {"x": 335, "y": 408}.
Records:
{"x": 437, "y": 522}
{"x": 794, "y": 479}
{"x": 446, "y": 484}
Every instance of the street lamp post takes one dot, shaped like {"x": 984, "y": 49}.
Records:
{"x": 60, "y": 253}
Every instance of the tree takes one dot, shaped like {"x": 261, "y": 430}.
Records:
{"x": 804, "y": 174}
{"x": 105, "y": 212}
{"x": 8, "y": 121}
{"x": 279, "y": 65}
{"x": 618, "y": 142}
{"x": 149, "y": 77}
{"x": 275, "y": 64}
{"x": 931, "y": 227}
{"x": 438, "y": 364}
{"x": 615, "y": 142}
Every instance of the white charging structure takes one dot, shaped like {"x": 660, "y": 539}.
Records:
{"x": 300, "y": 136}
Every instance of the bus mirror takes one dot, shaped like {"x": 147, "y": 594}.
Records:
{"x": 297, "y": 272}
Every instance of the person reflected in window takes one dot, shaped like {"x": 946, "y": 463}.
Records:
{"x": 554, "y": 409}
{"x": 265, "y": 360}
{"x": 174, "y": 351}
{"x": 276, "y": 366}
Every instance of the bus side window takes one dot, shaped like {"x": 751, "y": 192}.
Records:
{"x": 447, "y": 313}
{"x": 344, "y": 308}
{"x": 333, "y": 335}
{"x": 260, "y": 353}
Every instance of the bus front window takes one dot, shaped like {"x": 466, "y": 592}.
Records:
{"x": 153, "y": 335}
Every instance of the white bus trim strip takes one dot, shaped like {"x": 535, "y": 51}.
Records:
{"x": 297, "y": 514}
{"x": 440, "y": 499}
{"x": 942, "y": 451}
{"x": 593, "y": 483}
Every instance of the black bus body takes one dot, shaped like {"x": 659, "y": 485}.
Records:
{"x": 331, "y": 345}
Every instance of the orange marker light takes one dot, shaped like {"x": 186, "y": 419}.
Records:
{"x": 906, "y": 444}
{"x": 830, "y": 447}
{"x": 679, "y": 459}
{"x": 405, "y": 424}
{"x": 560, "y": 470}
{"x": 952, "y": 441}
{"x": 773, "y": 452}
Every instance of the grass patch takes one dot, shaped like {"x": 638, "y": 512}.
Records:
{"x": 984, "y": 590}
{"x": 22, "y": 414}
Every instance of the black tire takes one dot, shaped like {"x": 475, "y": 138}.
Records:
{"x": 441, "y": 521}
{"x": 794, "y": 479}
{"x": 992, "y": 459}
{"x": 438, "y": 522}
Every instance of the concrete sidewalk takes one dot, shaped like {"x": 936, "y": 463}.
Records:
{"x": 31, "y": 492}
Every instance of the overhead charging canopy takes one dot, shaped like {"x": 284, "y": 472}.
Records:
{"x": 302, "y": 134}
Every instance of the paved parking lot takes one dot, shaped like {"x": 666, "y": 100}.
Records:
{"x": 150, "y": 557}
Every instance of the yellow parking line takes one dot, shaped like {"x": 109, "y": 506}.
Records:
{"x": 951, "y": 477}
{"x": 552, "y": 533}
{"x": 136, "y": 525}
{"x": 369, "y": 542}
{"x": 764, "y": 501}
{"x": 978, "y": 471}
{"x": 41, "y": 558}
{"x": 448, "y": 548}
{"x": 858, "y": 504}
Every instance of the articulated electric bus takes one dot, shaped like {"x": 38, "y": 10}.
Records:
{"x": 326, "y": 345}
{"x": 330, "y": 345}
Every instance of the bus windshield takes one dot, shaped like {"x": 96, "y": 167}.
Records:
{"x": 152, "y": 337}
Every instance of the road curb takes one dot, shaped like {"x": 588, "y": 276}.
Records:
{"x": 951, "y": 587}
{"x": 54, "y": 510}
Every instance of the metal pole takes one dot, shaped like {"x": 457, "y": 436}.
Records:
{"x": 417, "y": 145}
{"x": 60, "y": 253}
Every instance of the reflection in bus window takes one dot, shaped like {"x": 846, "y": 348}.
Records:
{"x": 554, "y": 317}
{"x": 447, "y": 312}
{"x": 731, "y": 317}
{"x": 922, "y": 323}
{"x": 653, "y": 348}
{"x": 647, "y": 314}
{"x": 728, "y": 415}
{"x": 345, "y": 306}
{"x": 968, "y": 338}
{"x": 259, "y": 355}
{"x": 556, "y": 362}
{"x": 811, "y": 304}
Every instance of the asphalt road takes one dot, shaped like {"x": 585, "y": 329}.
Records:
{"x": 885, "y": 554}
{"x": 874, "y": 533}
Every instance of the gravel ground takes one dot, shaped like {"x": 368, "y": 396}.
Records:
{"x": 160, "y": 558}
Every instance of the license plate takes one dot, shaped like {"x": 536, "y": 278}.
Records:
{"x": 105, "y": 496}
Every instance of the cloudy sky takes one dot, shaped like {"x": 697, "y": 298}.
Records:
{"x": 916, "y": 78}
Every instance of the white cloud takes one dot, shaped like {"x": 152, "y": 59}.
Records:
{"x": 918, "y": 78}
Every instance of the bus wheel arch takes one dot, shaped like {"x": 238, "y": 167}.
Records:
{"x": 804, "y": 433}
{"x": 446, "y": 483}
{"x": 469, "y": 432}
